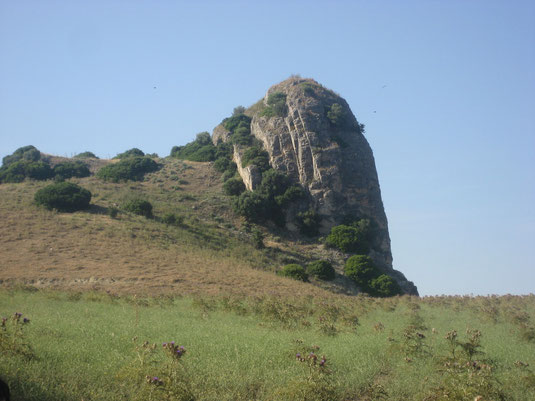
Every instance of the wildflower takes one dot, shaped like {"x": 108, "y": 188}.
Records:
{"x": 26, "y": 320}
{"x": 164, "y": 345}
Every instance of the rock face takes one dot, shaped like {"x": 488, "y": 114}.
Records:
{"x": 318, "y": 142}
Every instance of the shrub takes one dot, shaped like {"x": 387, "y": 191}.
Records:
{"x": 172, "y": 219}
{"x": 132, "y": 168}
{"x": 258, "y": 239}
{"x": 321, "y": 269}
{"x": 295, "y": 271}
{"x": 238, "y": 110}
{"x": 71, "y": 169}
{"x": 252, "y": 206}
{"x": 64, "y": 197}
{"x": 139, "y": 206}
{"x": 348, "y": 239}
{"x": 227, "y": 175}
{"x": 222, "y": 164}
{"x": 257, "y": 156}
{"x": 86, "y": 155}
{"x": 234, "y": 186}
{"x": 336, "y": 114}
{"x": 113, "y": 212}
{"x": 200, "y": 150}
{"x": 276, "y": 105}
{"x": 134, "y": 152}
{"x": 361, "y": 269}
{"x": 28, "y": 153}
{"x": 19, "y": 170}
{"x": 384, "y": 286}
{"x": 308, "y": 223}
{"x": 233, "y": 122}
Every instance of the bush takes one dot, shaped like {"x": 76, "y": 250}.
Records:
{"x": 64, "y": 197}
{"x": 113, "y": 212}
{"x": 276, "y": 105}
{"x": 258, "y": 239}
{"x": 238, "y": 110}
{"x": 257, "y": 156}
{"x": 252, "y": 206}
{"x": 348, "y": 239}
{"x": 139, "y": 206}
{"x": 321, "y": 269}
{"x": 233, "y": 122}
{"x": 227, "y": 175}
{"x": 19, "y": 170}
{"x": 336, "y": 115}
{"x": 86, "y": 155}
{"x": 222, "y": 164}
{"x": 234, "y": 187}
{"x": 172, "y": 219}
{"x": 361, "y": 269}
{"x": 308, "y": 223}
{"x": 200, "y": 150}
{"x": 28, "y": 153}
{"x": 71, "y": 169}
{"x": 295, "y": 271}
{"x": 384, "y": 286}
{"x": 134, "y": 152}
{"x": 132, "y": 168}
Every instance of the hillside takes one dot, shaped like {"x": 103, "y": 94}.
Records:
{"x": 211, "y": 252}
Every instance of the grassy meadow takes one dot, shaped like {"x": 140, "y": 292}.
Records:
{"x": 87, "y": 300}
{"x": 99, "y": 346}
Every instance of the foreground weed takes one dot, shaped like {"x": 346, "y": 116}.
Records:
{"x": 12, "y": 338}
{"x": 158, "y": 378}
{"x": 463, "y": 377}
{"x": 316, "y": 382}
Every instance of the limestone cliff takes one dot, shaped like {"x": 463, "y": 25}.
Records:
{"x": 316, "y": 140}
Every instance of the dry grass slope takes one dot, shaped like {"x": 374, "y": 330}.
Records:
{"x": 209, "y": 254}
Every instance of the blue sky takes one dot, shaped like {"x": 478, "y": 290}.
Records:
{"x": 453, "y": 130}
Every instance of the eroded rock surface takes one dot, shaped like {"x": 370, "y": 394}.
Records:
{"x": 319, "y": 143}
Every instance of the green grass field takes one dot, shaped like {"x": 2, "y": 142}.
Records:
{"x": 79, "y": 346}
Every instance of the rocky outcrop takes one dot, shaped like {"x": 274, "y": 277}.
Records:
{"x": 318, "y": 142}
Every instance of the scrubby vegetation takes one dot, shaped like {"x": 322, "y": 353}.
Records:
{"x": 130, "y": 168}
{"x": 71, "y": 169}
{"x": 63, "y": 197}
{"x": 200, "y": 150}
{"x": 321, "y": 269}
{"x": 134, "y": 152}
{"x": 270, "y": 199}
{"x": 308, "y": 222}
{"x": 141, "y": 207}
{"x": 295, "y": 271}
{"x": 276, "y": 105}
{"x": 336, "y": 115}
{"x": 353, "y": 238}
{"x": 27, "y": 163}
{"x": 362, "y": 270}
{"x": 19, "y": 170}
{"x": 86, "y": 155}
